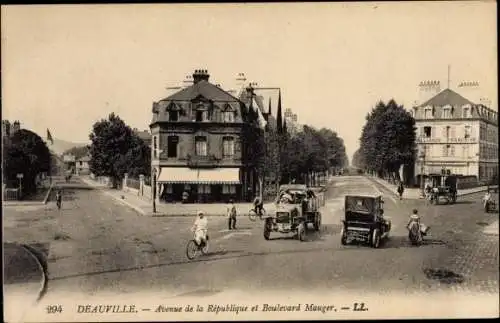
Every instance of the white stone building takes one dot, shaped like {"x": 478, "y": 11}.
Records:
{"x": 455, "y": 133}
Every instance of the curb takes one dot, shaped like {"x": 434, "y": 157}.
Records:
{"x": 135, "y": 208}
{"x": 43, "y": 266}
{"x": 479, "y": 189}
{"x": 45, "y": 200}
{"x": 43, "y": 269}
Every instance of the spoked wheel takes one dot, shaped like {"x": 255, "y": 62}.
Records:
{"x": 343, "y": 237}
{"x": 204, "y": 249}
{"x": 376, "y": 238}
{"x": 267, "y": 229}
{"x": 252, "y": 215}
{"x": 317, "y": 223}
{"x": 192, "y": 249}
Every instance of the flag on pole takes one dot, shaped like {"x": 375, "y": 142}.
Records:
{"x": 49, "y": 137}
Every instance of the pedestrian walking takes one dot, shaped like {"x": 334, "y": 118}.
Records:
{"x": 401, "y": 190}
{"x": 59, "y": 199}
{"x": 231, "y": 213}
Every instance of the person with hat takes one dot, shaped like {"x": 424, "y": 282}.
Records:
{"x": 200, "y": 228}
{"x": 231, "y": 213}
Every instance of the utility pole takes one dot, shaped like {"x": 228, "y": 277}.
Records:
{"x": 449, "y": 67}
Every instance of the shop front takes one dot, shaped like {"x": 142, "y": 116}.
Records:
{"x": 188, "y": 185}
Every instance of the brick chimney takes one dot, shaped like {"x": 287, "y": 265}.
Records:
{"x": 16, "y": 126}
{"x": 199, "y": 75}
{"x": 471, "y": 90}
{"x": 427, "y": 90}
{"x": 5, "y": 128}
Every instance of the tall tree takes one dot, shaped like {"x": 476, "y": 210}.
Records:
{"x": 25, "y": 152}
{"x": 115, "y": 150}
{"x": 279, "y": 115}
{"x": 388, "y": 139}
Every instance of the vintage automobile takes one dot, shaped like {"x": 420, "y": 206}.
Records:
{"x": 296, "y": 207}
{"x": 444, "y": 186}
{"x": 364, "y": 220}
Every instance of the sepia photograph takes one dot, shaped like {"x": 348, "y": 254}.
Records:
{"x": 250, "y": 161}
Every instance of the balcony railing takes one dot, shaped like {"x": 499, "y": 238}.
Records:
{"x": 208, "y": 161}
{"x": 426, "y": 140}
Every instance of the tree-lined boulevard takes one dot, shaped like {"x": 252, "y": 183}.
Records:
{"x": 96, "y": 245}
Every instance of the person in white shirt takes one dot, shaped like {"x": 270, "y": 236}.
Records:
{"x": 200, "y": 228}
{"x": 486, "y": 198}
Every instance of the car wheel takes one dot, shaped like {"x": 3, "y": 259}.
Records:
{"x": 343, "y": 237}
{"x": 301, "y": 232}
{"x": 267, "y": 230}
{"x": 317, "y": 223}
{"x": 376, "y": 238}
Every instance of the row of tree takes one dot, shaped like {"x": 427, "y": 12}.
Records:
{"x": 387, "y": 141}
{"x": 25, "y": 153}
{"x": 311, "y": 151}
{"x": 116, "y": 149}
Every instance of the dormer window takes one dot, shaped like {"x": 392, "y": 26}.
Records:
{"x": 173, "y": 115}
{"x": 466, "y": 112}
{"x": 173, "y": 112}
{"x": 228, "y": 114}
{"x": 428, "y": 113}
{"x": 201, "y": 113}
{"x": 447, "y": 112}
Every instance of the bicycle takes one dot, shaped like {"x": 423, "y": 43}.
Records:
{"x": 252, "y": 214}
{"x": 193, "y": 248}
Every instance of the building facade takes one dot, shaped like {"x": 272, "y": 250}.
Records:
{"x": 199, "y": 150}
{"x": 455, "y": 134}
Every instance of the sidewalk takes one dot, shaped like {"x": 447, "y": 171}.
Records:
{"x": 144, "y": 205}
{"x": 24, "y": 279}
{"x": 415, "y": 193}
{"x": 30, "y": 202}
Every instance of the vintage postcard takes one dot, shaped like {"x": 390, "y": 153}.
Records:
{"x": 191, "y": 162}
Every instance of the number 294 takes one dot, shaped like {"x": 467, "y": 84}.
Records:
{"x": 52, "y": 309}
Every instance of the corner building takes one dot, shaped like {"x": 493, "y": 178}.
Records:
{"x": 198, "y": 145}
{"x": 456, "y": 135}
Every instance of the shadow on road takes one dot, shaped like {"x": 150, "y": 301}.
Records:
{"x": 465, "y": 202}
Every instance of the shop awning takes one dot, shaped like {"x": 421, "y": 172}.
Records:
{"x": 184, "y": 175}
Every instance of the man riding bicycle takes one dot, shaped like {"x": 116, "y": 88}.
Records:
{"x": 258, "y": 205}
{"x": 200, "y": 228}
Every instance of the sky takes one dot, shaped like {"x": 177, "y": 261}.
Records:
{"x": 65, "y": 67}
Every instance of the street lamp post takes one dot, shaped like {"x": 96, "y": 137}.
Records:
{"x": 153, "y": 175}
{"x": 422, "y": 164}
{"x": 154, "y": 179}
{"x": 20, "y": 177}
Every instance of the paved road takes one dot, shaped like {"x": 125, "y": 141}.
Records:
{"x": 98, "y": 246}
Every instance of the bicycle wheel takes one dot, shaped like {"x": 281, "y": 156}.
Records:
{"x": 191, "y": 249}
{"x": 204, "y": 249}
{"x": 252, "y": 215}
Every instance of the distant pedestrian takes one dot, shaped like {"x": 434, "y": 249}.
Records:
{"x": 231, "y": 213}
{"x": 59, "y": 199}
{"x": 401, "y": 190}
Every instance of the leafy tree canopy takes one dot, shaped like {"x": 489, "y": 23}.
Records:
{"x": 25, "y": 152}
{"x": 115, "y": 150}
{"x": 388, "y": 138}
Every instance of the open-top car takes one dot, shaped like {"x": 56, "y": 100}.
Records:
{"x": 296, "y": 207}
{"x": 444, "y": 187}
{"x": 364, "y": 220}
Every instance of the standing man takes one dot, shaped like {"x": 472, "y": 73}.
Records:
{"x": 401, "y": 190}
{"x": 59, "y": 199}
{"x": 231, "y": 212}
